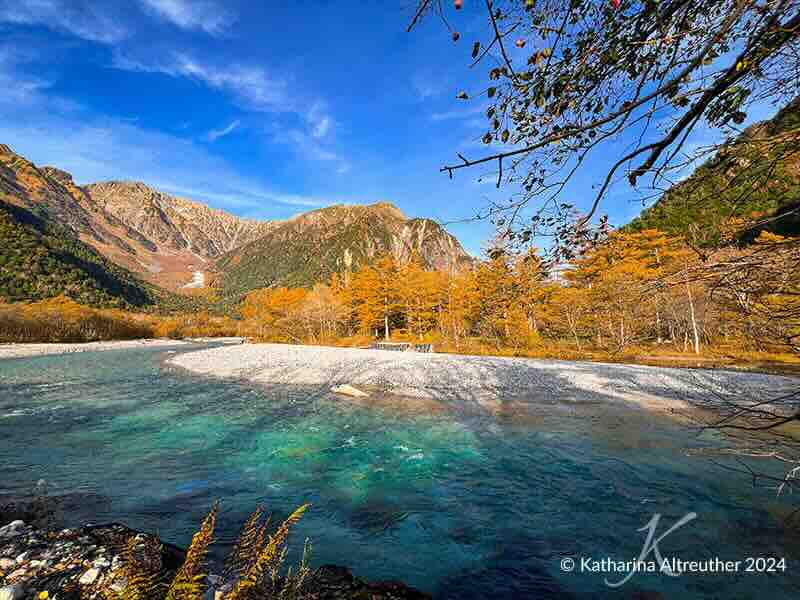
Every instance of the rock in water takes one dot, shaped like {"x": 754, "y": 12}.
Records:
{"x": 331, "y": 582}
{"x": 13, "y": 529}
{"x": 12, "y": 592}
{"x": 349, "y": 390}
{"x": 89, "y": 576}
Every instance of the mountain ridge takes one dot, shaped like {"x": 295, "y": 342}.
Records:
{"x": 335, "y": 239}
{"x": 167, "y": 240}
{"x": 40, "y": 260}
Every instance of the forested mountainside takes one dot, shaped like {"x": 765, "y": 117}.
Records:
{"x": 757, "y": 173}
{"x": 311, "y": 247}
{"x": 40, "y": 260}
{"x": 167, "y": 240}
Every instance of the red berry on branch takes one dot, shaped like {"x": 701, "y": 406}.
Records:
{"x": 458, "y": 4}
{"x": 456, "y": 35}
{"x": 615, "y": 4}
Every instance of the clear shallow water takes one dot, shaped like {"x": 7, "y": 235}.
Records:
{"x": 460, "y": 503}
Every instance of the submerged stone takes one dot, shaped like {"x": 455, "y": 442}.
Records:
{"x": 349, "y": 390}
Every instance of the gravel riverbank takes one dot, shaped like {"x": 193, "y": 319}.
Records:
{"x": 486, "y": 381}
{"x": 25, "y": 350}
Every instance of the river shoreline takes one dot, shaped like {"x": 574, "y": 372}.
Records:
{"x": 88, "y": 562}
{"x": 490, "y": 383}
{"x": 44, "y": 349}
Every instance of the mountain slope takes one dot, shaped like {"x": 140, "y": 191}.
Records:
{"x": 311, "y": 247}
{"x": 759, "y": 172}
{"x": 174, "y": 223}
{"x": 40, "y": 260}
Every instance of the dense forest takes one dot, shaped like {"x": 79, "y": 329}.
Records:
{"x": 39, "y": 260}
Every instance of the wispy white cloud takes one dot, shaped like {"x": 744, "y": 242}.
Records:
{"x": 242, "y": 197}
{"x": 319, "y": 121}
{"x": 96, "y": 148}
{"x": 106, "y": 22}
{"x": 252, "y": 86}
{"x": 427, "y": 85}
{"x": 85, "y": 19}
{"x": 321, "y": 127}
{"x": 309, "y": 147}
{"x": 255, "y": 89}
{"x": 21, "y": 89}
{"x": 215, "y": 134}
{"x": 192, "y": 14}
{"x": 18, "y": 88}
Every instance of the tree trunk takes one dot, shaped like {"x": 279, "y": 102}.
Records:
{"x": 534, "y": 325}
{"x": 694, "y": 320}
{"x": 658, "y": 327}
{"x": 573, "y": 328}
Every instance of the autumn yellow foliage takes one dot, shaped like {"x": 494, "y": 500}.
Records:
{"x": 63, "y": 320}
{"x": 638, "y": 294}
{"x": 194, "y": 325}
{"x": 254, "y": 569}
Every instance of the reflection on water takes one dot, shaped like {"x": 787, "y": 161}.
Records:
{"x": 460, "y": 501}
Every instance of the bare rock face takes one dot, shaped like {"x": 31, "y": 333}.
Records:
{"x": 172, "y": 222}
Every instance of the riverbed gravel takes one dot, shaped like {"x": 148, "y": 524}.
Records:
{"x": 477, "y": 379}
{"x": 27, "y": 350}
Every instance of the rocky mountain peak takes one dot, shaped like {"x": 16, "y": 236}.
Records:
{"x": 58, "y": 175}
{"x": 387, "y": 208}
{"x": 172, "y": 222}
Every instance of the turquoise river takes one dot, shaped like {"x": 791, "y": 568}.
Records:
{"x": 458, "y": 503}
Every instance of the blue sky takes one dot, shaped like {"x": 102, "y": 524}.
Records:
{"x": 261, "y": 109}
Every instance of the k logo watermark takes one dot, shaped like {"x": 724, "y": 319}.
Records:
{"x": 651, "y": 545}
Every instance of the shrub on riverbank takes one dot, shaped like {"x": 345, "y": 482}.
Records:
{"x": 196, "y": 325}
{"x": 63, "y": 320}
{"x": 254, "y": 568}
